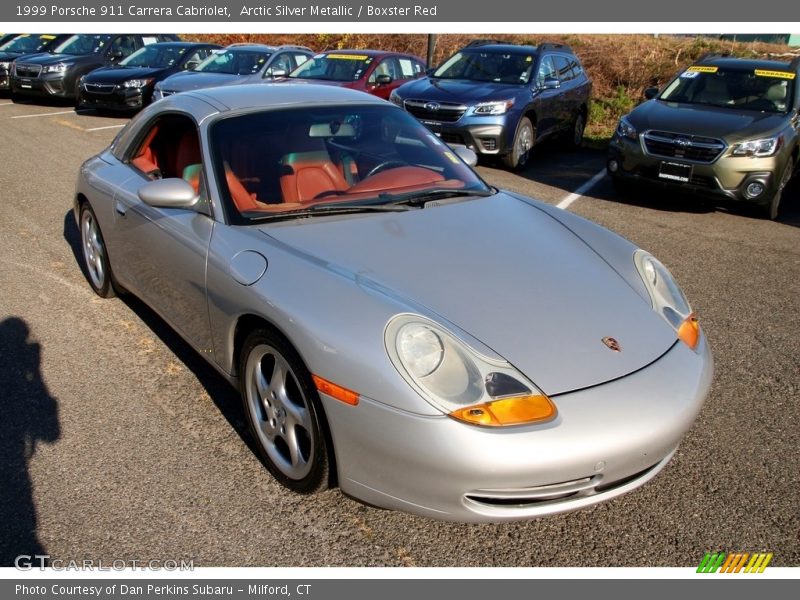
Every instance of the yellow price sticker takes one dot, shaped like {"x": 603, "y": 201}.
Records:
{"x": 347, "y": 56}
{"x": 778, "y": 74}
{"x": 47, "y": 37}
{"x": 700, "y": 69}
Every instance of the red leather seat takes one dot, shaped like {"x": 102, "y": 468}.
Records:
{"x": 145, "y": 160}
{"x": 187, "y": 155}
{"x": 242, "y": 199}
{"x": 306, "y": 175}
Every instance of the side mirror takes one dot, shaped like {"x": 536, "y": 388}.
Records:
{"x": 651, "y": 93}
{"x": 383, "y": 79}
{"x": 168, "y": 193}
{"x": 465, "y": 154}
{"x": 277, "y": 73}
{"x": 551, "y": 83}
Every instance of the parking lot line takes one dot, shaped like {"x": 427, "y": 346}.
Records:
{"x": 106, "y": 127}
{"x": 63, "y": 112}
{"x": 565, "y": 203}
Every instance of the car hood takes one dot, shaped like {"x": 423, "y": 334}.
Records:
{"x": 11, "y": 55}
{"x": 709, "y": 121}
{"x": 118, "y": 74}
{"x": 51, "y": 59}
{"x": 503, "y": 271}
{"x": 457, "y": 90}
{"x": 193, "y": 80}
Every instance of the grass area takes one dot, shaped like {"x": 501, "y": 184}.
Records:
{"x": 621, "y": 66}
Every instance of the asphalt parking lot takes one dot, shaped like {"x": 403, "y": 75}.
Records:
{"x": 118, "y": 442}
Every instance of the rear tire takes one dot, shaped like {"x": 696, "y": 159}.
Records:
{"x": 524, "y": 139}
{"x": 95, "y": 256}
{"x": 574, "y": 137}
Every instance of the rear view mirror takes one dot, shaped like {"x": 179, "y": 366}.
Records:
{"x": 651, "y": 93}
{"x": 383, "y": 79}
{"x": 168, "y": 193}
{"x": 278, "y": 73}
{"x": 191, "y": 65}
{"x": 465, "y": 154}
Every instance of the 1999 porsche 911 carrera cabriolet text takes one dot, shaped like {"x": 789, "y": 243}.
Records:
{"x": 395, "y": 325}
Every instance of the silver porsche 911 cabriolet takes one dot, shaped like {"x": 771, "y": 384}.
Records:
{"x": 395, "y": 325}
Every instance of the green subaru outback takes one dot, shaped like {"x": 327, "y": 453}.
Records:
{"x": 724, "y": 128}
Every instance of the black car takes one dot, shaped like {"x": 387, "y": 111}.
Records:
{"x": 129, "y": 84}
{"x": 501, "y": 99}
{"x": 17, "y": 45}
{"x": 57, "y": 74}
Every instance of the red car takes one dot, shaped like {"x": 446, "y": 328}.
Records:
{"x": 374, "y": 71}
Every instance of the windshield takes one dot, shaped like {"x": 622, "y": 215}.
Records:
{"x": 496, "y": 67}
{"x": 27, "y": 44}
{"x": 278, "y": 161}
{"x": 764, "y": 90}
{"x": 155, "y": 56}
{"x": 234, "y": 62}
{"x": 82, "y": 44}
{"x": 333, "y": 67}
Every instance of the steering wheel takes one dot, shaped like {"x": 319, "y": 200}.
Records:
{"x": 760, "y": 104}
{"x": 387, "y": 164}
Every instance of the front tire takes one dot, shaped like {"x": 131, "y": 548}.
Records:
{"x": 284, "y": 414}
{"x": 770, "y": 209}
{"x": 95, "y": 256}
{"x": 524, "y": 139}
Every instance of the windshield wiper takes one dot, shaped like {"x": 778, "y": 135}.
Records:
{"x": 331, "y": 209}
{"x": 421, "y": 197}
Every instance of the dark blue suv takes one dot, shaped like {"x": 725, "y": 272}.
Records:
{"x": 501, "y": 99}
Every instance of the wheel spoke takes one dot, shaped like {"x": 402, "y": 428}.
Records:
{"x": 296, "y": 415}
{"x": 295, "y": 455}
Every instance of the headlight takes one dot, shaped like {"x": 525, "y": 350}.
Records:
{"x": 493, "y": 108}
{"x": 5, "y": 65}
{"x": 395, "y": 99}
{"x": 137, "y": 83}
{"x": 459, "y": 381}
{"x": 758, "y": 148}
{"x": 668, "y": 299}
{"x": 57, "y": 68}
{"x": 625, "y": 129}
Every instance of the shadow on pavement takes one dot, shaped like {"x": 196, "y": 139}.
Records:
{"x": 29, "y": 417}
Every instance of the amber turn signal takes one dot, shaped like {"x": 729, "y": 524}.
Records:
{"x": 508, "y": 411}
{"x": 689, "y": 331}
{"x": 335, "y": 391}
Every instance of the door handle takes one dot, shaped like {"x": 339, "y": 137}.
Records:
{"x": 120, "y": 208}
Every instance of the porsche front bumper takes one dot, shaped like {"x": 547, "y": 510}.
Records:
{"x": 607, "y": 440}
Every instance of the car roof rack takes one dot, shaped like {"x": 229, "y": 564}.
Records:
{"x": 553, "y": 46}
{"x": 295, "y": 47}
{"x": 710, "y": 55}
{"x": 485, "y": 42}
